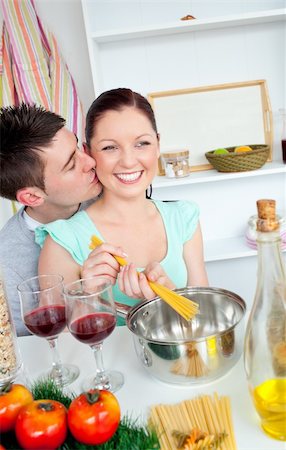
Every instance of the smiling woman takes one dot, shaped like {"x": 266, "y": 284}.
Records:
{"x": 125, "y": 159}
{"x": 161, "y": 240}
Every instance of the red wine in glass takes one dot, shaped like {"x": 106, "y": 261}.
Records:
{"x": 46, "y": 321}
{"x": 93, "y": 328}
{"x": 44, "y": 314}
{"x": 91, "y": 318}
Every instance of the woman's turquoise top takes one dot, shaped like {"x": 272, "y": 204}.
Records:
{"x": 180, "y": 219}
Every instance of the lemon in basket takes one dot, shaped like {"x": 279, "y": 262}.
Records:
{"x": 242, "y": 148}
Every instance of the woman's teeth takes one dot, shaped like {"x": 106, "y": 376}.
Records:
{"x": 128, "y": 176}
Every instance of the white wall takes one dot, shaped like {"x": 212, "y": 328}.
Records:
{"x": 64, "y": 19}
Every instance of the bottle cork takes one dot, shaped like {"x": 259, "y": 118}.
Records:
{"x": 267, "y": 220}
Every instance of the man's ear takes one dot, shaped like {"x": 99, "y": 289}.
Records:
{"x": 30, "y": 196}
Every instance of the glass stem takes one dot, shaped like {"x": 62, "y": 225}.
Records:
{"x": 57, "y": 364}
{"x": 100, "y": 371}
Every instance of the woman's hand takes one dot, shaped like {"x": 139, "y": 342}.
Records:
{"x": 101, "y": 263}
{"x": 136, "y": 285}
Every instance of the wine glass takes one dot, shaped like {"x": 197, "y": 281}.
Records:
{"x": 44, "y": 314}
{"x": 91, "y": 318}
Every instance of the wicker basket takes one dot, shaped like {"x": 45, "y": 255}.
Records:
{"x": 239, "y": 162}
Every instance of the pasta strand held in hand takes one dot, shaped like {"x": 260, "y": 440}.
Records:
{"x": 182, "y": 305}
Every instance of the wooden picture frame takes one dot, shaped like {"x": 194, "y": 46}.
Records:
{"x": 208, "y": 117}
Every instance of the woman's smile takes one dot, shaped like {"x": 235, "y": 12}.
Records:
{"x": 130, "y": 177}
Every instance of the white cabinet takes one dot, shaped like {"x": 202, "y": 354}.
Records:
{"x": 226, "y": 202}
{"x": 145, "y": 46}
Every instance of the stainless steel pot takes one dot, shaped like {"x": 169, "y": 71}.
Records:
{"x": 176, "y": 351}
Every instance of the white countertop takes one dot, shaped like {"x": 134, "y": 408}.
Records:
{"x": 140, "y": 390}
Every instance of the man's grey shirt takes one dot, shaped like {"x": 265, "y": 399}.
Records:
{"x": 19, "y": 256}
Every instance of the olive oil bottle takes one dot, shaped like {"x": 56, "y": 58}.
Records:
{"x": 265, "y": 339}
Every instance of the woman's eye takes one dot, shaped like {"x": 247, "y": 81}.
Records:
{"x": 109, "y": 148}
{"x": 142, "y": 144}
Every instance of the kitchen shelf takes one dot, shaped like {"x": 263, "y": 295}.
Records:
{"x": 209, "y": 176}
{"x": 228, "y": 248}
{"x": 273, "y": 15}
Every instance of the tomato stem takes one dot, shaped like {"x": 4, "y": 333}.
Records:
{"x": 92, "y": 396}
{"x": 46, "y": 406}
{"x": 6, "y": 388}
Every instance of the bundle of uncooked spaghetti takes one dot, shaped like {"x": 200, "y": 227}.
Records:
{"x": 190, "y": 364}
{"x": 202, "y": 423}
{"x": 182, "y": 305}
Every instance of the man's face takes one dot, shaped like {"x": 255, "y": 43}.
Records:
{"x": 69, "y": 173}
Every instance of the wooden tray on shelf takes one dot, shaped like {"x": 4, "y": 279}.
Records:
{"x": 207, "y": 117}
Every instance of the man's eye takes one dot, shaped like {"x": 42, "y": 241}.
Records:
{"x": 72, "y": 166}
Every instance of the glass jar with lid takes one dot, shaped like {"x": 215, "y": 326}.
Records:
{"x": 176, "y": 163}
{"x": 10, "y": 360}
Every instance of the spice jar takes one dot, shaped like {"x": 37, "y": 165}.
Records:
{"x": 176, "y": 163}
{"x": 10, "y": 361}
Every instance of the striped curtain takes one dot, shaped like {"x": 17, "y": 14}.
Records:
{"x": 32, "y": 69}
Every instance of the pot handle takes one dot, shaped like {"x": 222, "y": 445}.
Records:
{"x": 122, "y": 310}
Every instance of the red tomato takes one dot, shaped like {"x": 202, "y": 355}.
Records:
{"x": 12, "y": 399}
{"x": 42, "y": 425}
{"x": 93, "y": 417}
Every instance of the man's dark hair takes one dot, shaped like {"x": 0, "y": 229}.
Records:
{"x": 24, "y": 131}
